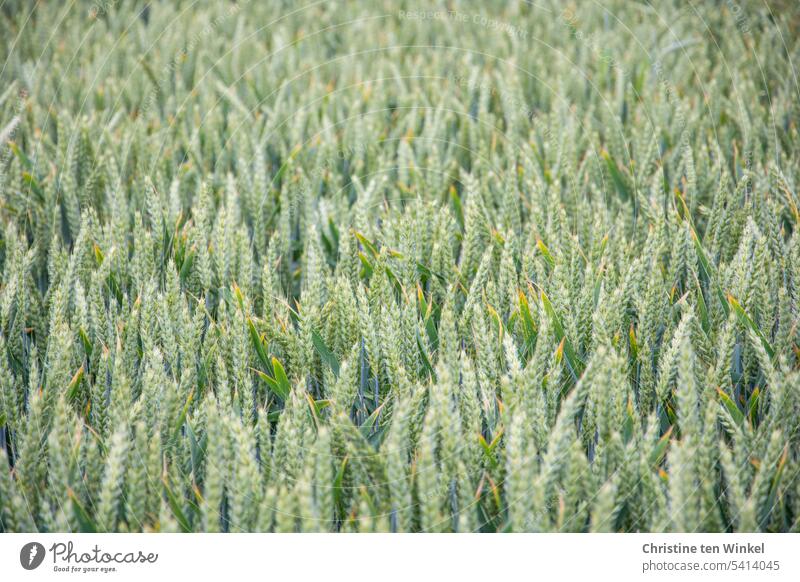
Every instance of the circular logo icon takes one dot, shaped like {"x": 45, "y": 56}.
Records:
{"x": 31, "y": 555}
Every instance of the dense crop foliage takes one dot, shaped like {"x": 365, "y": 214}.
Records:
{"x": 364, "y": 267}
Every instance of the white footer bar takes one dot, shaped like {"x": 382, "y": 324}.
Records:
{"x": 381, "y": 557}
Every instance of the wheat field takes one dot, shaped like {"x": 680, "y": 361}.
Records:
{"x": 374, "y": 266}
